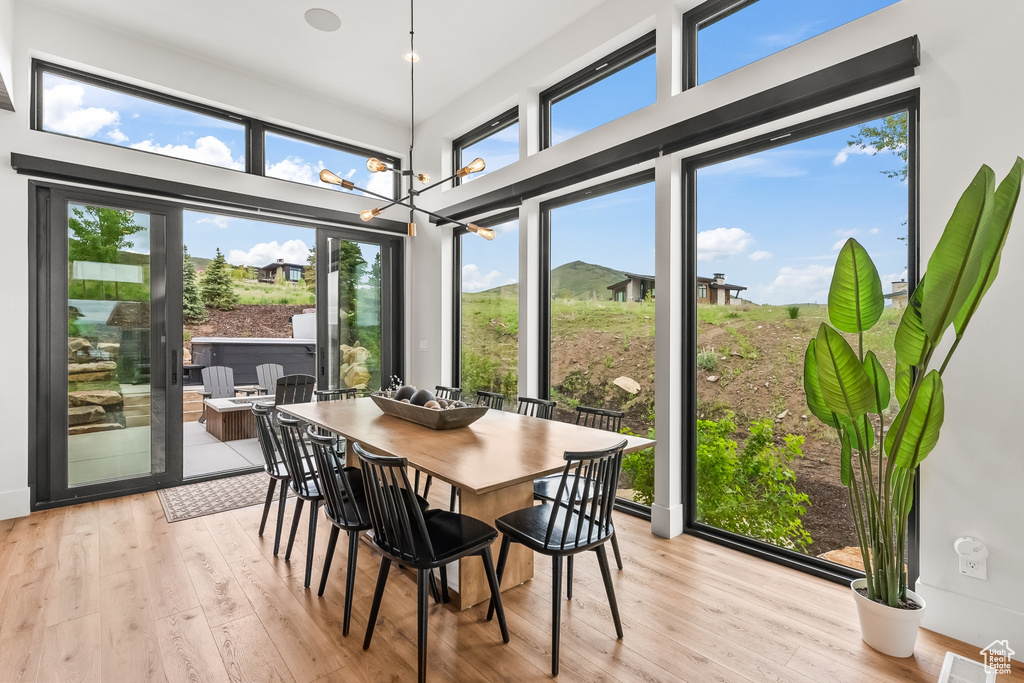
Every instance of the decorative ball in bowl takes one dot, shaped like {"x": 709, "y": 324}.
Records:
{"x": 433, "y": 413}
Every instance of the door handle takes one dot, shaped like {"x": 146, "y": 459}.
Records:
{"x": 174, "y": 367}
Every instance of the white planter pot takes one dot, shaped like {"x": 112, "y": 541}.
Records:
{"x": 889, "y": 630}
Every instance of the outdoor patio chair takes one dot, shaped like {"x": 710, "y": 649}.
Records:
{"x": 536, "y": 407}
{"x": 266, "y": 377}
{"x": 294, "y": 389}
{"x": 335, "y": 394}
{"x": 419, "y": 540}
{"x": 448, "y": 393}
{"x": 581, "y": 520}
{"x": 600, "y": 418}
{"x": 274, "y": 465}
{"x": 218, "y": 382}
{"x": 491, "y": 399}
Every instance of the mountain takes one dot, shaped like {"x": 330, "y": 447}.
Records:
{"x": 576, "y": 280}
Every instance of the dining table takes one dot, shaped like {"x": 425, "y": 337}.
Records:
{"x": 492, "y": 462}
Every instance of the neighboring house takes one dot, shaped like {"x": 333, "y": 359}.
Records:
{"x": 899, "y": 294}
{"x": 633, "y": 288}
{"x": 716, "y": 291}
{"x": 292, "y": 271}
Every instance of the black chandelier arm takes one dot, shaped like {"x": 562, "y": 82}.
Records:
{"x": 435, "y": 184}
{"x": 401, "y": 202}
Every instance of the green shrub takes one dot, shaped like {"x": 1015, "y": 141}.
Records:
{"x": 216, "y": 286}
{"x": 609, "y": 362}
{"x": 794, "y": 312}
{"x": 707, "y": 360}
{"x": 639, "y": 467}
{"x": 193, "y": 309}
{"x": 752, "y": 492}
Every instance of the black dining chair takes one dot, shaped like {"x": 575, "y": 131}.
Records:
{"x": 536, "y": 407}
{"x": 544, "y": 489}
{"x": 491, "y": 399}
{"x": 267, "y": 376}
{"x": 449, "y": 393}
{"x": 294, "y": 389}
{"x": 303, "y": 480}
{"x": 581, "y": 520}
{"x": 335, "y": 394}
{"x": 274, "y": 465}
{"x": 420, "y": 540}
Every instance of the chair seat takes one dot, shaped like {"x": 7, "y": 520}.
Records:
{"x": 547, "y": 487}
{"x": 278, "y": 471}
{"x": 529, "y": 526}
{"x": 452, "y": 535}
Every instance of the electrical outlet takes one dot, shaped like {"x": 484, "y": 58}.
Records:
{"x": 973, "y": 557}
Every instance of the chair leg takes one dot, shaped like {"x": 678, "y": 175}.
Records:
{"x": 615, "y": 549}
{"x": 445, "y": 598}
{"x": 295, "y": 526}
{"x": 606, "y": 574}
{"x": 451, "y": 500}
{"x": 568, "y": 578}
{"x": 378, "y": 593}
{"x": 350, "y": 578}
{"x": 434, "y": 590}
{"x": 506, "y": 541}
{"x": 202, "y": 418}
{"x": 314, "y": 507}
{"x": 266, "y": 505}
{"x": 492, "y": 579}
{"x": 556, "y": 610}
{"x": 421, "y": 621}
{"x": 332, "y": 541}
{"x": 280, "y": 516}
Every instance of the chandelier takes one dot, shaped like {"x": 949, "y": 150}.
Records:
{"x": 378, "y": 166}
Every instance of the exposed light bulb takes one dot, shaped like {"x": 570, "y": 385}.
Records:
{"x": 376, "y": 165}
{"x": 412, "y": 229}
{"x": 474, "y": 166}
{"x": 411, "y": 56}
{"x": 486, "y": 233}
{"x": 334, "y": 179}
{"x": 423, "y": 178}
{"x": 368, "y": 214}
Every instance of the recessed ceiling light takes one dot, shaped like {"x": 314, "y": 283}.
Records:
{"x": 411, "y": 56}
{"x": 322, "y": 19}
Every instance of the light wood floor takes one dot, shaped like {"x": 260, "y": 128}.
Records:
{"x": 111, "y": 592}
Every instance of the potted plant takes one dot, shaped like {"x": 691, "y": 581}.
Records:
{"x": 849, "y": 390}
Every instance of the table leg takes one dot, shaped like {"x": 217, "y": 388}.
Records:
{"x": 487, "y": 507}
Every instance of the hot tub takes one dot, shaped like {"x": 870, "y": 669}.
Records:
{"x": 243, "y": 354}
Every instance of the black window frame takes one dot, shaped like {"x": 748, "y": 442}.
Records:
{"x": 255, "y": 129}
{"x": 625, "y": 56}
{"x": 457, "y": 234}
{"x": 481, "y": 132}
{"x": 908, "y": 101}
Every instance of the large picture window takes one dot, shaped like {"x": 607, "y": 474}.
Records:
{"x": 300, "y": 158}
{"x": 598, "y": 294}
{"x": 764, "y": 469}
{"x": 606, "y": 90}
{"x": 723, "y": 35}
{"x": 496, "y": 142}
{"x": 487, "y": 299}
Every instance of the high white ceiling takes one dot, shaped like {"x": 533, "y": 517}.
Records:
{"x": 462, "y": 42}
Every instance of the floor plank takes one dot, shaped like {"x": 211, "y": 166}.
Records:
{"x": 119, "y": 542}
{"x": 75, "y": 592}
{"x": 130, "y": 650}
{"x": 22, "y": 624}
{"x": 71, "y": 651}
{"x": 219, "y": 593}
{"x": 189, "y": 650}
{"x": 249, "y": 653}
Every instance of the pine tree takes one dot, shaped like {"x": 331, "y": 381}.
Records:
{"x": 216, "y": 287}
{"x": 193, "y": 309}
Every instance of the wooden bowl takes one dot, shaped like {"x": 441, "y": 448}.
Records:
{"x": 434, "y": 419}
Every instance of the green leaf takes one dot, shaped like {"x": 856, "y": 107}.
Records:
{"x": 951, "y": 271}
{"x": 855, "y": 300}
{"x": 911, "y": 343}
{"x": 879, "y": 382}
{"x": 845, "y": 466}
{"x": 815, "y": 402}
{"x": 860, "y": 432}
{"x": 989, "y": 246}
{"x": 921, "y": 432}
{"x": 904, "y": 374}
{"x": 845, "y": 387}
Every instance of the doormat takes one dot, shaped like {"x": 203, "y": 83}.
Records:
{"x": 211, "y": 497}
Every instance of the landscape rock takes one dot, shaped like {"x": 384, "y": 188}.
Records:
{"x": 85, "y": 414}
{"x": 90, "y": 428}
{"x": 712, "y": 378}
{"x": 105, "y": 366}
{"x": 111, "y": 348}
{"x": 627, "y": 383}
{"x": 98, "y": 397}
{"x": 92, "y": 377}
{"x": 782, "y": 415}
{"x": 78, "y": 348}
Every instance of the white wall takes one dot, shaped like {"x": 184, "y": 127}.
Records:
{"x": 6, "y": 40}
{"x": 40, "y": 33}
{"x": 970, "y": 105}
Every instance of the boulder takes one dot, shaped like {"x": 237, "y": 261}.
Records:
{"x": 92, "y": 377}
{"x": 80, "y": 415}
{"x": 90, "y": 428}
{"x": 110, "y": 348}
{"x": 78, "y": 349}
{"x": 627, "y": 383}
{"x": 105, "y": 366}
{"x": 98, "y": 397}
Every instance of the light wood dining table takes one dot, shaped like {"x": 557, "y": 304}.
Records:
{"x": 493, "y": 463}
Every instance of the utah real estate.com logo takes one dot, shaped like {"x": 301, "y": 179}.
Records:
{"x": 997, "y": 656}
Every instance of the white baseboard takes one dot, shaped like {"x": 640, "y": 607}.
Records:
{"x": 15, "y": 503}
{"x": 666, "y": 522}
{"x": 971, "y": 620}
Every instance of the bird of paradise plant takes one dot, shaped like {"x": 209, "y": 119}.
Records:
{"x": 850, "y": 391}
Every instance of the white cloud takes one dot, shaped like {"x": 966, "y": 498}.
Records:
{"x": 297, "y": 170}
{"x": 117, "y": 136}
{"x": 222, "y": 222}
{"x": 893, "y": 277}
{"x": 292, "y": 251}
{"x": 760, "y": 255}
{"x": 798, "y": 285}
{"x": 382, "y": 183}
{"x": 722, "y": 243}
{"x": 847, "y": 233}
{"x": 873, "y": 231}
{"x": 845, "y": 153}
{"x": 779, "y": 163}
{"x": 838, "y": 245}
{"x": 63, "y": 112}
{"x": 207, "y": 150}
{"x": 475, "y": 281}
